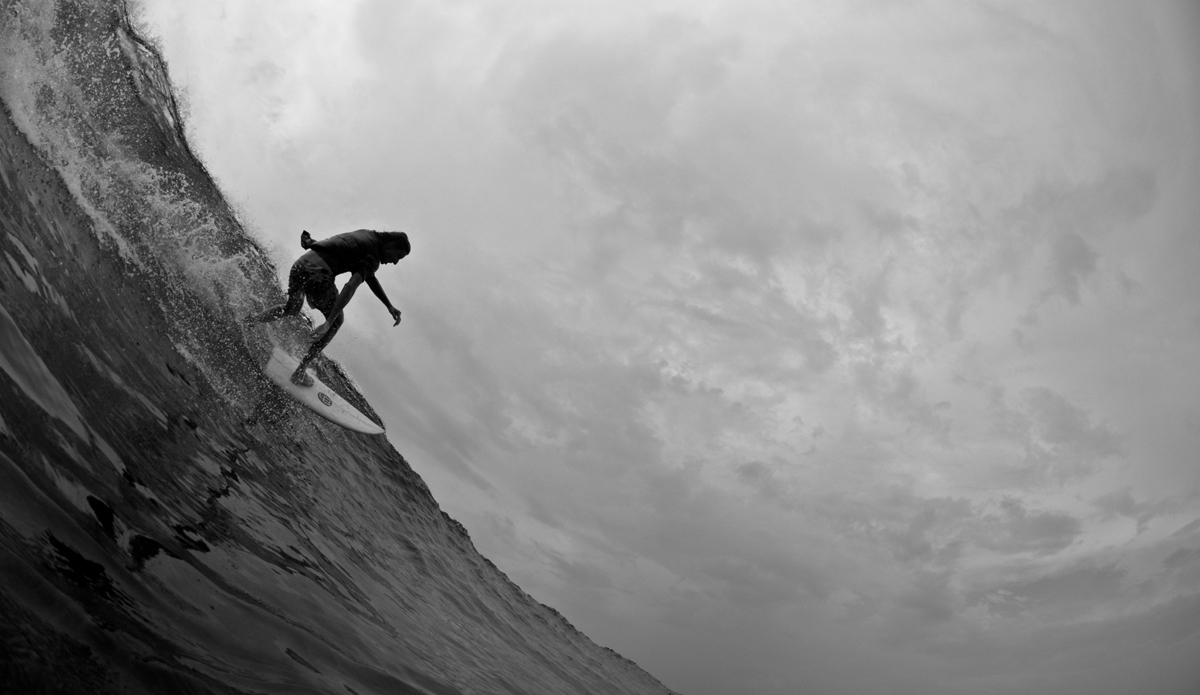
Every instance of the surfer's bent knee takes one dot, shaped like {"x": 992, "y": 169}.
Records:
{"x": 308, "y": 280}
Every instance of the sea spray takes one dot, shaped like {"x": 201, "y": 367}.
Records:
{"x": 126, "y": 162}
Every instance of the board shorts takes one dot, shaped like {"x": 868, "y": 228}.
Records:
{"x": 316, "y": 282}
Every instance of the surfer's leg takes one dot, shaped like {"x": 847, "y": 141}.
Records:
{"x": 289, "y": 308}
{"x": 322, "y": 296}
{"x": 298, "y": 280}
{"x": 320, "y": 344}
{"x": 300, "y": 377}
{"x": 317, "y": 346}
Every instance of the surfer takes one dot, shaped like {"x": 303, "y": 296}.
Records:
{"x": 359, "y": 253}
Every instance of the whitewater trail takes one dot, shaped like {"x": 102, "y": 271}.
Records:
{"x": 168, "y": 521}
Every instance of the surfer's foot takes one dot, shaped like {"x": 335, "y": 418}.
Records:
{"x": 305, "y": 239}
{"x": 300, "y": 377}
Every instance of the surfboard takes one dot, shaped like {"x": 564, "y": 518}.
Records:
{"x": 318, "y": 398}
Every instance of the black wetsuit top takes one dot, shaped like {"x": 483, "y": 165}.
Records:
{"x": 359, "y": 251}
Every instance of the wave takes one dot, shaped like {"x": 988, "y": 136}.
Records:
{"x": 168, "y": 521}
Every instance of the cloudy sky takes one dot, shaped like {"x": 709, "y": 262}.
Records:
{"x": 783, "y": 346}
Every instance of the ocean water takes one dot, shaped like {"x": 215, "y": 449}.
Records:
{"x": 169, "y": 522}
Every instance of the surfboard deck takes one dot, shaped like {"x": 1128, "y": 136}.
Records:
{"x": 318, "y": 398}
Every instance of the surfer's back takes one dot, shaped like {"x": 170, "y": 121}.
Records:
{"x": 357, "y": 251}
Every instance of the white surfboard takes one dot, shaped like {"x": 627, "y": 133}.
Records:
{"x": 318, "y": 398}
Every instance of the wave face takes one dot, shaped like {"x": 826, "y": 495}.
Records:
{"x": 169, "y": 522}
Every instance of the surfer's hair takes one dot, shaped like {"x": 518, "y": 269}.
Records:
{"x": 399, "y": 240}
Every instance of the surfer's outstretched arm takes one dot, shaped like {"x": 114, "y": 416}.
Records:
{"x": 373, "y": 283}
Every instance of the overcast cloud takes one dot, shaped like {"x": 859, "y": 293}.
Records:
{"x": 827, "y": 347}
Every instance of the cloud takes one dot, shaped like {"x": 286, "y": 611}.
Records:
{"x": 1073, "y": 261}
{"x": 1181, "y": 558}
{"x": 1012, "y": 528}
{"x": 931, "y": 598}
{"x": 1046, "y": 439}
{"x": 1062, "y": 424}
{"x": 1077, "y": 218}
{"x": 1122, "y": 502}
{"x": 933, "y": 536}
{"x": 580, "y": 574}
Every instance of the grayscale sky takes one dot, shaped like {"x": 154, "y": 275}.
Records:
{"x": 829, "y": 347}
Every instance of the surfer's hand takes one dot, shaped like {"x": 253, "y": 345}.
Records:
{"x": 319, "y": 331}
{"x": 395, "y": 314}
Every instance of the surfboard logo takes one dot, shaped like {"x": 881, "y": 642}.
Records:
{"x": 325, "y": 399}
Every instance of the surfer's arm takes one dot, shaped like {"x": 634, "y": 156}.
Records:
{"x": 373, "y": 283}
{"x": 343, "y": 299}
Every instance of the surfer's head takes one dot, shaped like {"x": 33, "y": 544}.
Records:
{"x": 395, "y": 246}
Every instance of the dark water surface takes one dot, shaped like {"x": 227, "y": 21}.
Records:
{"x": 168, "y": 521}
